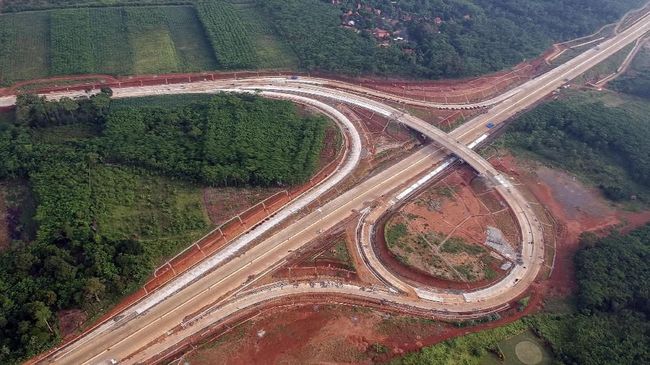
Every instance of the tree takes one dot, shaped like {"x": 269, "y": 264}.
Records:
{"x": 40, "y": 313}
{"x": 94, "y": 288}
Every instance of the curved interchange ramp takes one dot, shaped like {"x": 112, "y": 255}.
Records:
{"x": 215, "y": 291}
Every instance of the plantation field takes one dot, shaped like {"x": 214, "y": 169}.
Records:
{"x": 271, "y": 52}
{"x": 160, "y": 101}
{"x": 111, "y": 40}
{"x": 24, "y": 46}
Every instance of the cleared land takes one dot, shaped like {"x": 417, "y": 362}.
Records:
{"x": 442, "y": 231}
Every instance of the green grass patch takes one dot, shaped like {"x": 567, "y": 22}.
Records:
{"x": 522, "y": 349}
{"x": 395, "y": 233}
{"x": 165, "y": 214}
{"x": 341, "y": 253}
{"x": 151, "y": 41}
{"x": 469, "y": 350}
{"x": 65, "y": 133}
{"x": 457, "y": 245}
{"x": 192, "y": 47}
{"x": 466, "y": 272}
{"x": 446, "y": 191}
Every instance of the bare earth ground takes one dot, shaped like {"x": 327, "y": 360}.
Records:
{"x": 348, "y": 335}
{"x": 455, "y": 211}
{"x": 330, "y": 334}
{"x": 576, "y": 208}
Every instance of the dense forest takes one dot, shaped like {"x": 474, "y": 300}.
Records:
{"x": 609, "y": 324}
{"x": 606, "y": 145}
{"x": 112, "y": 186}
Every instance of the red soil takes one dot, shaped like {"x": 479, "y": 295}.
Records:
{"x": 463, "y": 216}
{"x": 334, "y": 334}
{"x": 311, "y": 334}
{"x": 589, "y": 212}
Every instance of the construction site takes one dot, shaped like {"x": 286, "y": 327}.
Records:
{"x": 404, "y": 237}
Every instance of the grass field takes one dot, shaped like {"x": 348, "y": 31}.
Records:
{"x": 65, "y": 133}
{"x": 166, "y": 213}
{"x": 522, "y": 349}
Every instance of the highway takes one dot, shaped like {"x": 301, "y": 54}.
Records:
{"x": 124, "y": 339}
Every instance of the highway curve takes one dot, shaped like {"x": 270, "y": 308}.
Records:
{"x": 141, "y": 329}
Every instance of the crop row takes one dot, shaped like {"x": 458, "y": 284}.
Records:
{"x": 228, "y": 34}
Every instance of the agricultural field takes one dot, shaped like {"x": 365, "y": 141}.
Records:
{"x": 7, "y": 6}
{"x": 270, "y": 50}
{"x": 111, "y": 40}
{"x": 125, "y": 40}
{"x": 24, "y": 45}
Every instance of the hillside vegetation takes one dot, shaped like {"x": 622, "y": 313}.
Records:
{"x": 609, "y": 326}
{"x": 606, "y": 145}
{"x": 636, "y": 81}
{"x": 117, "y": 190}
{"x": 412, "y": 38}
